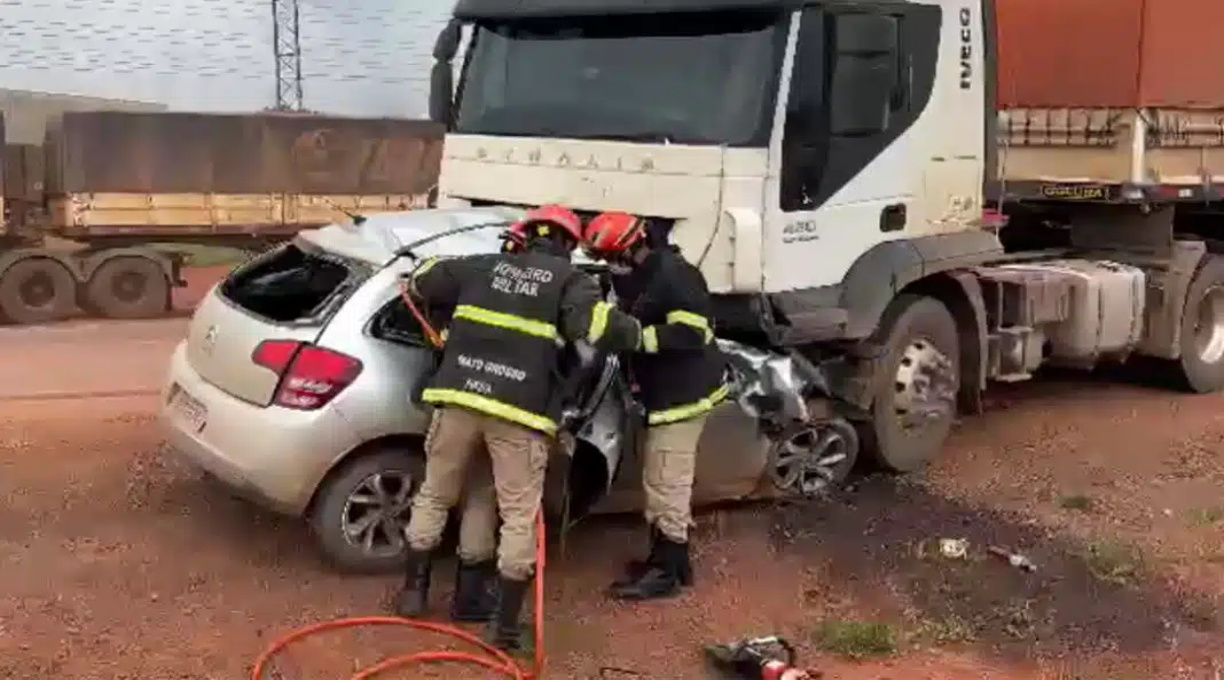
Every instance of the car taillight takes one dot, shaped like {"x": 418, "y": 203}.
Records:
{"x": 311, "y": 376}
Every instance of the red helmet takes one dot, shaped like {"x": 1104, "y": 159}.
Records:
{"x": 614, "y": 233}
{"x": 555, "y": 215}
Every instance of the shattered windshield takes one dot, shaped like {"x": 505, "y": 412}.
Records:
{"x": 706, "y": 78}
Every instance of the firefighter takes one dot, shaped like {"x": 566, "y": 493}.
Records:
{"x": 499, "y": 385}
{"x": 473, "y": 597}
{"x": 679, "y": 377}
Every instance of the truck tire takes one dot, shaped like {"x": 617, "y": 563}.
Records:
{"x": 915, "y": 332}
{"x": 37, "y": 290}
{"x": 128, "y": 287}
{"x": 1202, "y": 330}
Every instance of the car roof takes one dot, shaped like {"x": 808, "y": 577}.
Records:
{"x": 376, "y": 239}
{"x": 379, "y": 236}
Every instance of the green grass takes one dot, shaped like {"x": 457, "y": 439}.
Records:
{"x": 1114, "y": 563}
{"x": 1076, "y": 502}
{"x": 857, "y": 639}
{"x": 950, "y": 630}
{"x": 1206, "y": 517}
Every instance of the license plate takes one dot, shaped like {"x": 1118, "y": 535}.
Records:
{"x": 1077, "y": 192}
{"x": 189, "y": 410}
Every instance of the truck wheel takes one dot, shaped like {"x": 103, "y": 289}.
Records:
{"x": 37, "y": 290}
{"x": 915, "y": 384}
{"x": 1202, "y": 330}
{"x": 128, "y": 287}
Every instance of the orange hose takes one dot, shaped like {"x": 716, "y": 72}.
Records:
{"x": 489, "y": 657}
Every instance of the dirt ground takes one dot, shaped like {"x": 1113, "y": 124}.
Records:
{"x": 119, "y": 562}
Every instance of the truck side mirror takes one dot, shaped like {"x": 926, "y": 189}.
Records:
{"x": 442, "y": 75}
{"x": 441, "y": 93}
{"x": 864, "y": 74}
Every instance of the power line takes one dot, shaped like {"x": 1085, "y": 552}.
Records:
{"x": 287, "y": 51}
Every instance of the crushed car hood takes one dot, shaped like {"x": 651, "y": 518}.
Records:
{"x": 768, "y": 383}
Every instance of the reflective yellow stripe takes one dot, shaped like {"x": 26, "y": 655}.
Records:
{"x": 679, "y": 413}
{"x": 599, "y": 321}
{"x": 690, "y": 319}
{"x": 509, "y": 322}
{"x": 420, "y": 271}
{"x": 493, "y": 407}
{"x": 425, "y": 267}
{"x": 650, "y": 340}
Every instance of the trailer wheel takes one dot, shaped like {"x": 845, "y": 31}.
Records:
{"x": 915, "y": 384}
{"x": 37, "y": 290}
{"x": 128, "y": 287}
{"x": 1202, "y": 330}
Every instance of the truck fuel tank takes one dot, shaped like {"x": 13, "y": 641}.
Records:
{"x": 1103, "y": 312}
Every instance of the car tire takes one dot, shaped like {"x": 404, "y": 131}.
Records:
{"x": 336, "y": 508}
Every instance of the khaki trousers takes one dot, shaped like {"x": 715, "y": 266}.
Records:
{"x": 478, "y": 513}
{"x": 517, "y": 456}
{"x": 668, "y": 467}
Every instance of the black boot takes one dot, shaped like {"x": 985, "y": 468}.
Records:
{"x": 504, "y": 630}
{"x": 684, "y": 566}
{"x": 663, "y": 579}
{"x": 634, "y": 569}
{"x": 475, "y": 597}
{"x": 413, "y": 599}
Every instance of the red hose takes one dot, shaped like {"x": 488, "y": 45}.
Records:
{"x": 488, "y": 657}
{"x": 431, "y": 333}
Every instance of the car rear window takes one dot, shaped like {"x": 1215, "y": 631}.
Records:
{"x": 293, "y": 283}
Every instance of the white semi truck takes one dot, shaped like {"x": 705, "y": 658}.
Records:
{"x": 828, "y": 166}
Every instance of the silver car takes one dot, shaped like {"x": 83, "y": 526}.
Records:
{"x": 294, "y": 387}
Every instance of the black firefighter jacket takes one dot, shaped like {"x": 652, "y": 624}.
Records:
{"x": 513, "y": 315}
{"x": 679, "y": 371}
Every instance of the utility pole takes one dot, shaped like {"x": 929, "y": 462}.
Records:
{"x": 287, "y": 49}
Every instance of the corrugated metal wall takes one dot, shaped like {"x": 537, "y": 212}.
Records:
{"x": 359, "y": 57}
{"x": 1111, "y": 53}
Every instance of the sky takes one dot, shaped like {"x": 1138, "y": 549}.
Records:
{"x": 359, "y": 57}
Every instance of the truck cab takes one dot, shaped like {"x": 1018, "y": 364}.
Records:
{"x": 789, "y": 148}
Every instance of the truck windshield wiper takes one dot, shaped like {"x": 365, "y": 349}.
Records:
{"x": 640, "y": 137}
{"x": 648, "y": 137}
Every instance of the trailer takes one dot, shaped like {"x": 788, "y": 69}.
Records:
{"x": 1109, "y": 107}
{"x": 1111, "y": 144}
{"x": 83, "y": 209}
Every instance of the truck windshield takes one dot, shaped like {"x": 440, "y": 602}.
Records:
{"x": 706, "y": 78}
